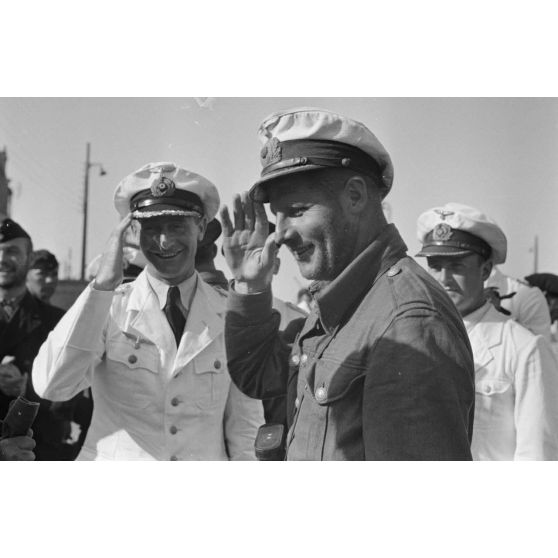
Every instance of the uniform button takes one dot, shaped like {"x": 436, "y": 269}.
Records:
{"x": 306, "y": 387}
{"x": 175, "y": 401}
{"x": 174, "y": 458}
{"x": 295, "y": 359}
{"x": 321, "y": 394}
{"x": 487, "y": 389}
{"x": 132, "y": 359}
{"x": 297, "y": 403}
{"x": 303, "y": 359}
{"x": 393, "y": 271}
{"x": 173, "y": 429}
{"x": 217, "y": 364}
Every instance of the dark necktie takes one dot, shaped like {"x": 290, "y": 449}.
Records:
{"x": 174, "y": 315}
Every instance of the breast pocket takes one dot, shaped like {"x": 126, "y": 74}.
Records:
{"x": 131, "y": 377}
{"x": 494, "y": 398}
{"x": 210, "y": 380}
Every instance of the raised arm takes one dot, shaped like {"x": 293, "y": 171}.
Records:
{"x": 66, "y": 359}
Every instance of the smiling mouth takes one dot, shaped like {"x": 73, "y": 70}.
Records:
{"x": 300, "y": 253}
{"x": 166, "y": 255}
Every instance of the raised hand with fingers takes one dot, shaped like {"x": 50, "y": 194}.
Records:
{"x": 111, "y": 268}
{"x": 249, "y": 249}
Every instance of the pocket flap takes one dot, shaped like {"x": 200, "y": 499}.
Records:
{"x": 145, "y": 356}
{"x": 492, "y": 386}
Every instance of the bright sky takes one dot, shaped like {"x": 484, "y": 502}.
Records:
{"x": 499, "y": 155}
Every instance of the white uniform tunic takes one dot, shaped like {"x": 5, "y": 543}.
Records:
{"x": 516, "y": 384}
{"x": 151, "y": 401}
{"x": 527, "y": 306}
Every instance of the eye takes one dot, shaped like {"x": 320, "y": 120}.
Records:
{"x": 297, "y": 210}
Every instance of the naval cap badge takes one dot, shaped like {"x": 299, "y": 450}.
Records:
{"x": 163, "y": 186}
{"x": 442, "y": 232}
{"x": 271, "y": 152}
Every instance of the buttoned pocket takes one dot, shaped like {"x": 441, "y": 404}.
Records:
{"x": 131, "y": 377}
{"x": 210, "y": 380}
{"x": 492, "y": 386}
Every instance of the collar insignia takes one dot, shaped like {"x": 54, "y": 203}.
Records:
{"x": 271, "y": 152}
{"x": 442, "y": 232}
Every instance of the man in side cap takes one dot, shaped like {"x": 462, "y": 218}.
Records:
{"x": 516, "y": 375}
{"x": 153, "y": 350}
{"x": 42, "y": 277}
{"x": 382, "y": 368}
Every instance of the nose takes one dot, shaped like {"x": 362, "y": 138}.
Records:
{"x": 283, "y": 231}
{"x": 164, "y": 241}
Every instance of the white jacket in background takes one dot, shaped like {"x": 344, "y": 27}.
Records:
{"x": 516, "y": 384}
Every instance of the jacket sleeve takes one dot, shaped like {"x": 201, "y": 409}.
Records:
{"x": 257, "y": 354}
{"x": 65, "y": 361}
{"x": 418, "y": 399}
{"x": 536, "y": 403}
{"x": 243, "y": 417}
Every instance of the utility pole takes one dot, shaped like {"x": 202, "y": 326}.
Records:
{"x": 85, "y": 196}
{"x": 102, "y": 172}
{"x": 536, "y": 255}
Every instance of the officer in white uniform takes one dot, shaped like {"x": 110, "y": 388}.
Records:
{"x": 526, "y": 304}
{"x": 516, "y": 374}
{"x": 153, "y": 350}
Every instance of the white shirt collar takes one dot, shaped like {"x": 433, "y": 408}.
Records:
{"x": 161, "y": 288}
{"x": 472, "y": 319}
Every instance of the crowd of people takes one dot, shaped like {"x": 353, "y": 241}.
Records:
{"x": 162, "y": 358}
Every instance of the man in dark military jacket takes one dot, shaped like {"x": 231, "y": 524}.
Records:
{"x": 382, "y": 368}
{"x": 25, "y": 323}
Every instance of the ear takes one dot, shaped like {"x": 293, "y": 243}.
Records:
{"x": 202, "y": 225}
{"x": 355, "y": 196}
{"x": 486, "y": 269}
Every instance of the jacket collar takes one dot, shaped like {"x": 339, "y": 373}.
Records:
{"x": 485, "y": 328}
{"x": 204, "y": 324}
{"x": 337, "y": 298}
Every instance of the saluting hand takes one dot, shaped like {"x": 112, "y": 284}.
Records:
{"x": 111, "y": 272}
{"x": 249, "y": 249}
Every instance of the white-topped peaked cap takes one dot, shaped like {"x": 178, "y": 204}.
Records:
{"x": 304, "y": 139}
{"x": 458, "y": 230}
{"x": 166, "y": 189}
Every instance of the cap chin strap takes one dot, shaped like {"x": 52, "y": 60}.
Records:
{"x": 159, "y": 213}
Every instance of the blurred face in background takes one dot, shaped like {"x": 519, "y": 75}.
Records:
{"x": 42, "y": 283}
{"x": 14, "y": 260}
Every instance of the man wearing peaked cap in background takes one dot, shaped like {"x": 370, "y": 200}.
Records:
{"x": 153, "y": 349}
{"x": 516, "y": 376}
{"x": 382, "y": 368}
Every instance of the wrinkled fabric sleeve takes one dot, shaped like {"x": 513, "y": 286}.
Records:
{"x": 536, "y": 403}
{"x": 257, "y": 354}
{"x": 243, "y": 417}
{"x": 532, "y": 311}
{"x": 65, "y": 362}
{"x": 418, "y": 399}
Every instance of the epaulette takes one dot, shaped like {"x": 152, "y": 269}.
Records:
{"x": 123, "y": 288}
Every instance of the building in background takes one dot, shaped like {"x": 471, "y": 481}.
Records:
{"x": 5, "y": 192}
